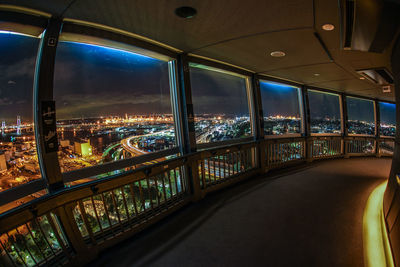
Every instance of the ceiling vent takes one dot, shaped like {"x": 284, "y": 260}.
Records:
{"x": 379, "y": 76}
{"x": 349, "y": 24}
{"x": 368, "y": 25}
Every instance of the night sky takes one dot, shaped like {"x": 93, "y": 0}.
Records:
{"x": 279, "y": 99}
{"x": 388, "y": 113}
{"x": 360, "y": 109}
{"x": 323, "y": 105}
{"x": 218, "y": 93}
{"x": 17, "y": 66}
{"x": 93, "y": 81}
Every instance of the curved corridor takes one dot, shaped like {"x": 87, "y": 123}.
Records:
{"x": 307, "y": 216}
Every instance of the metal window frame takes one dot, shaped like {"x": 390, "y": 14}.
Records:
{"x": 300, "y": 98}
{"x": 74, "y": 31}
{"x": 374, "y": 111}
{"x": 233, "y": 71}
{"x": 8, "y": 14}
{"x": 380, "y": 114}
{"x": 340, "y": 111}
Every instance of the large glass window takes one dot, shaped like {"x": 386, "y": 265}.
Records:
{"x": 388, "y": 119}
{"x": 281, "y": 106}
{"x": 18, "y": 158}
{"x": 361, "y": 116}
{"x": 111, "y": 104}
{"x": 325, "y": 116}
{"x": 220, "y": 104}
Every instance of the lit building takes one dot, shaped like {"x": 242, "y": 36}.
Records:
{"x": 83, "y": 149}
{"x": 3, "y": 161}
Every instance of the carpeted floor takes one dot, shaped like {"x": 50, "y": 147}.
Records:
{"x": 309, "y": 216}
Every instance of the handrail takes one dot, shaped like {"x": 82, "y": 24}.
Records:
{"x": 21, "y": 191}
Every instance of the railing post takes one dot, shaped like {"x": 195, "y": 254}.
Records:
{"x": 308, "y": 142}
{"x": 377, "y": 127}
{"x": 44, "y": 107}
{"x": 258, "y": 122}
{"x": 345, "y": 126}
{"x": 71, "y": 230}
{"x": 186, "y": 118}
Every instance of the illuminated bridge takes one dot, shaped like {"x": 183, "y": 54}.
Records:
{"x": 199, "y": 133}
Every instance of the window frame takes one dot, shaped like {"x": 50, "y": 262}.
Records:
{"x": 233, "y": 71}
{"x": 300, "y": 106}
{"x": 93, "y": 36}
{"x": 378, "y": 102}
{"x": 11, "y": 26}
{"x": 340, "y": 107}
{"x": 374, "y": 111}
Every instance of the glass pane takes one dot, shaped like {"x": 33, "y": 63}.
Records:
{"x": 220, "y": 105}
{"x": 324, "y": 112}
{"x": 18, "y": 158}
{"x": 361, "y": 118}
{"x": 282, "y": 113}
{"x": 388, "y": 118}
{"x": 111, "y": 104}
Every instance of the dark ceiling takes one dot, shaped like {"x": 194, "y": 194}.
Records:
{"x": 243, "y": 33}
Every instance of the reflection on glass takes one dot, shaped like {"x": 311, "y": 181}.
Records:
{"x": 324, "y": 112}
{"x": 220, "y": 105}
{"x": 18, "y": 158}
{"x": 282, "y": 114}
{"x": 388, "y": 119}
{"x": 111, "y": 104}
{"x": 361, "y": 118}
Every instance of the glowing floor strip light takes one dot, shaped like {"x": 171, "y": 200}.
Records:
{"x": 375, "y": 240}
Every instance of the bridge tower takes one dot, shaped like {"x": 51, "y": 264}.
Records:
{"x": 18, "y": 125}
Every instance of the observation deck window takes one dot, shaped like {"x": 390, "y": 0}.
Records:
{"x": 325, "y": 112}
{"x": 388, "y": 119}
{"x": 18, "y": 157}
{"x": 361, "y": 116}
{"x": 111, "y": 104}
{"x": 220, "y": 103}
{"x": 281, "y": 108}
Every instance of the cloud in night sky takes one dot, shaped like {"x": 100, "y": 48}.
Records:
{"x": 323, "y": 105}
{"x": 218, "y": 93}
{"x": 360, "y": 109}
{"x": 17, "y": 64}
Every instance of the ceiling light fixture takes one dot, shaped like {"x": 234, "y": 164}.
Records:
{"x": 185, "y": 12}
{"x": 328, "y": 27}
{"x": 316, "y": 74}
{"x": 362, "y": 78}
{"x": 278, "y": 54}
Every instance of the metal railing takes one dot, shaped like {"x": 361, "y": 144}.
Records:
{"x": 279, "y": 152}
{"x": 72, "y": 226}
{"x": 326, "y": 147}
{"x": 386, "y": 146}
{"x": 360, "y": 145}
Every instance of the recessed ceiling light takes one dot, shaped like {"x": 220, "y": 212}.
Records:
{"x": 362, "y": 78}
{"x": 316, "y": 74}
{"x": 328, "y": 27}
{"x": 185, "y": 12}
{"x": 278, "y": 54}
